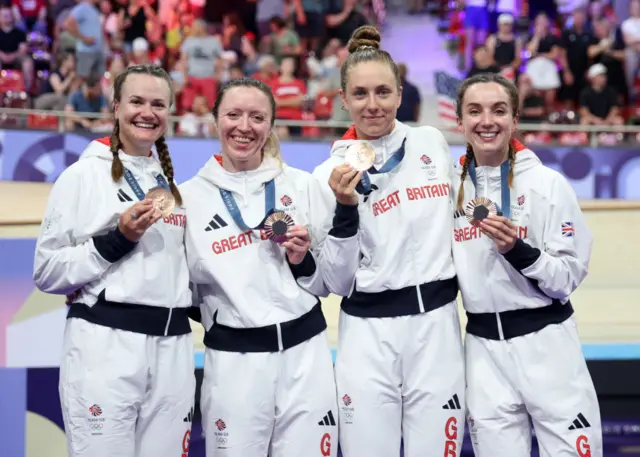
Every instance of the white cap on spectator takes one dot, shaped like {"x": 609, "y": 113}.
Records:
{"x": 229, "y": 56}
{"x": 140, "y": 45}
{"x": 596, "y": 69}
{"x": 266, "y": 60}
{"x": 505, "y": 18}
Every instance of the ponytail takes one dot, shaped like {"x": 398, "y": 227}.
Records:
{"x": 272, "y": 147}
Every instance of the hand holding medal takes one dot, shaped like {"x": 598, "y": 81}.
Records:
{"x": 297, "y": 243}
{"x": 486, "y": 215}
{"x": 138, "y": 218}
{"x": 343, "y": 182}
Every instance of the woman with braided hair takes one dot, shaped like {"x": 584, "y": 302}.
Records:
{"x": 521, "y": 247}
{"x": 112, "y": 238}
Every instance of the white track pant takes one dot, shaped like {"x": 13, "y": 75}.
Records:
{"x": 281, "y": 404}
{"x": 125, "y": 394}
{"x": 401, "y": 377}
{"x": 543, "y": 375}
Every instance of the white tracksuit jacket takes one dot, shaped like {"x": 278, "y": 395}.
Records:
{"x": 550, "y": 258}
{"x": 245, "y": 277}
{"x": 406, "y": 220}
{"x": 78, "y": 250}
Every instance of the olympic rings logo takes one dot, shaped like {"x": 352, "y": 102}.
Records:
{"x": 96, "y": 426}
{"x": 348, "y": 415}
{"x": 221, "y": 440}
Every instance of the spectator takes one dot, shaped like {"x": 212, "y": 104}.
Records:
{"x": 599, "y": 102}
{"x": 283, "y": 42}
{"x": 199, "y": 53}
{"x": 409, "y": 110}
{"x": 531, "y": 102}
{"x": 331, "y": 93}
{"x": 607, "y": 47}
{"x": 116, "y": 67}
{"x": 267, "y": 69}
{"x": 476, "y": 24}
{"x": 232, "y": 33}
{"x": 319, "y": 69}
{"x": 544, "y": 49}
{"x": 110, "y": 24}
{"x": 88, "y": 99}
{"x": 136, "y": 16}
{"x": 309, "y": 23}
{"x": 62, "y": 81}
{"x": 631, "y": 34}
{"x": 85, "y": 26}
{"x": 31, "y": 15}
{"x": 14, "y": 52}
{"x": 575, "y": 44}
{"x": 502, "y": 8}
{"x": 140, "y": 53}
{"x": 250, "y": 56}
{"x": 342, "y": 19}
{"x": 505, "y": 48}
{"x": 266, "y": 9}
{"x": 199, "y": 121}
{"x": 482, "y": 62}
{"x": 236, "y": 72}
{"x": 289, "y": 93}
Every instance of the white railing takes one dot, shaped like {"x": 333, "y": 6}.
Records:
{"x": 450, "y": 132}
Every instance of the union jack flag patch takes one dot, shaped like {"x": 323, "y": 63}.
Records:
{"x": 567, "y": 229}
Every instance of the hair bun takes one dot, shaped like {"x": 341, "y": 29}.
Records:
{"x": 366, "y": 35}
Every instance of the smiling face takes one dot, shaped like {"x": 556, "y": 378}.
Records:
{"x": 142, "y": 112}
{"x": 372, "y": 98}
{"x": 244, "y": 123}
{"x": 488, "y": 120}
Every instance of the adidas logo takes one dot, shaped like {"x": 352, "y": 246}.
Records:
{"x": 328, "y": 419}
{"x": 454, "y": 403}
{"x": 216, "y": 223}
{"x": 580, "y": 422}
{"x": 123, "y": 197}
{"x": 189, "y": 417}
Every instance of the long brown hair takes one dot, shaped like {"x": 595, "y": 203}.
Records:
{"x": 514, "y": 100}
{"x": 117, "y": 168}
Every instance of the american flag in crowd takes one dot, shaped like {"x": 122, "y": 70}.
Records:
{"x": 446, "y": 90}
{"x": 567, "y": 229}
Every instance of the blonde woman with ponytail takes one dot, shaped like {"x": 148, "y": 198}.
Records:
{"x": 127, "y": 381}
{"x": 521, "y": 247}
{"x": 259, "y": 262}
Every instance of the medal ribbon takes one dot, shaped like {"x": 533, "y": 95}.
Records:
{"x": 364, "y": 186}
{"x": 504, "y": 186}
{"x": 234, "y": 211}
{"x": 133, "y": 183}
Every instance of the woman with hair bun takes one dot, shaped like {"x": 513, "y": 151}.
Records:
{"x": 259, "y": 263}
{"x": 521, "y": 247}
{"x": 399, "y": 366}
{"x": 127, "y": 380}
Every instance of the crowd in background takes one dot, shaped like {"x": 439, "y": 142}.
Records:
{"x": 575, "y": 63}
{"x": 65, "y": 54}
